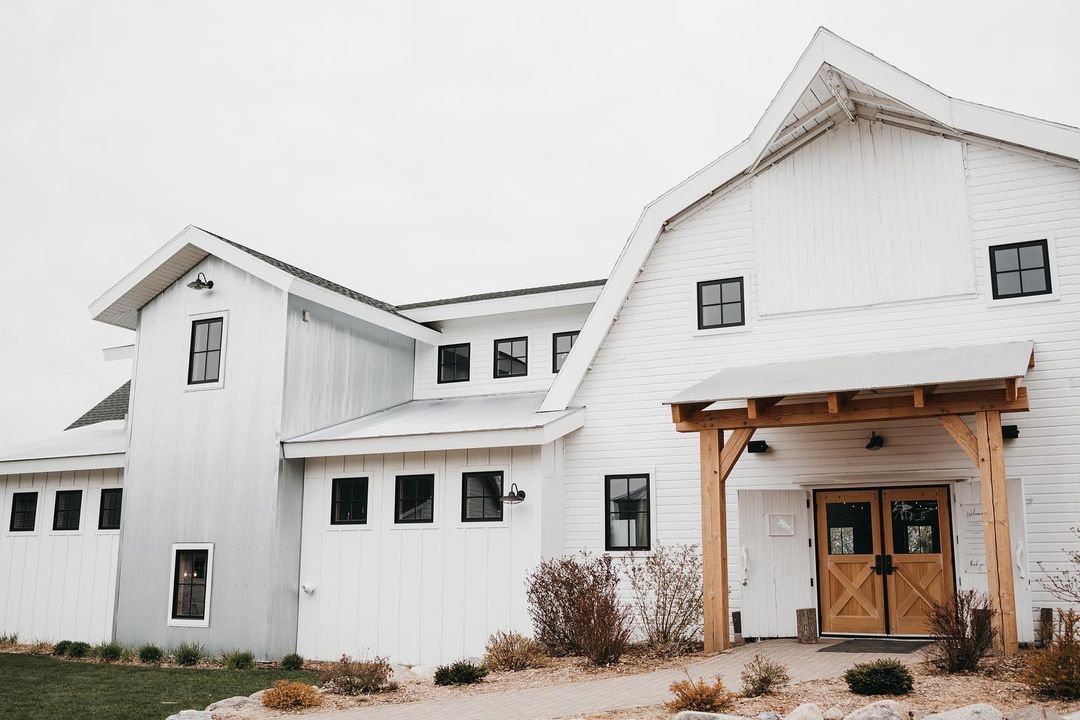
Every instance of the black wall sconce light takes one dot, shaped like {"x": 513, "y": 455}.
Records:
{"x": 201, "y": 283}
{"x": 876, "y": 442}
{"x": 757, "y": 446}
{"x": 1010, "y": 432}
{"x": 514, "y": 496}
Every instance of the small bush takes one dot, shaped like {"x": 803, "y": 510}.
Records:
{"x": 668, "y": 597}
{"x": 1054, "y": 671}
{"x": 962, "y": 632}
{"x": 109, "y": 652}
{"x": 358, "y": 677}
{"x": 188, "y": 654}
{"x": 291, "y": 695}
{"x": 150, "y": 654}
{"x": 700, "y": 696}
{"x": 761, "y": 676}
{"x": 238, "y": 660}
{"x": 79, "y": 649}
{"x": 9, "y": 640}
{"x": 879, "y": 677}
{"x": 292, "y": 661}
{"x": 62, "y": 648}
{"x": 41, "y": 648}
{"x": 513, "y": 651}
{"x": 461, "y": 672}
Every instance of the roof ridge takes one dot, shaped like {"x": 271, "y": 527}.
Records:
{"x": 504, "y": 293}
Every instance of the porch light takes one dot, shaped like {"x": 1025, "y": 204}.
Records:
{"x": 1010, "y": 432}
{"x": 514, "y": 496}
{"x": 757, "y": 446}
{"x": 201, "y": 283}
{"x": 876, "y": 442}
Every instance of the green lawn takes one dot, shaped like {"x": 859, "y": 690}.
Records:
{"x": 35, "y": 687}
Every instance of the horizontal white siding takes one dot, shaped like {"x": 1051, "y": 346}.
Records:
{"x": 481, "y": 333}
{"x": 417, "y": 593}
{"x": 58, "y": 585}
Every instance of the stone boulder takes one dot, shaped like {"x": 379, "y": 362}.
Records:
{"x": 696, "y": 715}
{"x": 190, "y": 715}
{"x": 806, "y": 711}
{"x": 834, "y": 713}
{"x": 424, "y": 672}
{"x": 1037, "y": 712}
{"x": 231, "y": 703}
{"x": 881, "y": 710}
{"x": 401, "y": 673}
{"x": 979, "y": 711}
{"x": 768, "y": 715}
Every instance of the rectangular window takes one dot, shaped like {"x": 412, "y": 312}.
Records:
{"x": 560, "y": 348}
{"x": 68, "y": 509}
{"x": 349, "y": 503}
{"x": 454, "y": 363}
{"x": 23, "y": 511}
{"x": 1020, "y": 269}
{"x": 414, "y": 499}
{"x": 204, "y": 364}
{"x": 720, "y": 303}
{"x": 190, "y": 584}
{"x": 512, "y": 357}
{"x": 481, "y": 496}
{"x": 627, "y": 511}
{"x": 109, "y": 512}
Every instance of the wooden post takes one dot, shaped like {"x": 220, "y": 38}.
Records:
{"x": 714, "y": 542}
{"x": 997, "y": 539}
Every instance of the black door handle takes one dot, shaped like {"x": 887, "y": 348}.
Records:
{"x": 878, "y": 564}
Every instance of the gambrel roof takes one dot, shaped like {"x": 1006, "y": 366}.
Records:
{"x": 834, "y": 81}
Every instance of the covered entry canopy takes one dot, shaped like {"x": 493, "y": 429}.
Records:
{"x": 946, "y": 383}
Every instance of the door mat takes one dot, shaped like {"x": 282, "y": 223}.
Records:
{"x": 876, "y": 645}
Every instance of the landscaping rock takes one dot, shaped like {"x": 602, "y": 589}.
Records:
{"x": 1074, "y": 716}
{"x": 696, "y": 715}
{"x": 230, "y": 703}
{"x": 769, "y": 715}
{"x": 424, "y": 672}
{"x": 806, "y": 711}
{"x": 834, "y": 713}
{"x": 979, "y": 711}
{"x": 257, "y": 696}
{"x": 1037, "y": 712}
{"x": 881, "y": 710}
{"x": 401, "y": 673}
{"x": 190, "y": 715}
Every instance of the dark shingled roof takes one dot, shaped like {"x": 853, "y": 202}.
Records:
{"x": 114, "y": 407}
{"x": 503, "y": 294}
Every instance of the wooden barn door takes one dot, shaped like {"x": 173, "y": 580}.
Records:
{"x": 849, "y": 551}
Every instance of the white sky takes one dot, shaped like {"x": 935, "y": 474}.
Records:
{"x": 408, "y": 150}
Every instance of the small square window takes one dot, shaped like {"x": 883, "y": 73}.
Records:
{"x": 414, "y": 500}
{"x": 68, "y": 510}
{"x": 204, "y": 362}
{"x": 512, "y": 357}
{"x": 481, "y": 496}
{"x": 454, "y": 363}
{"x": 627, "y": 512}
{"x": 109, "y": 511}
{"x": 190, "y": 584}
{"x": 1020, "y": 269}
{"x": 561, "y": 343}
{"x": 720, "y": 303}
{"x": 350, "y": 501}
{"x": 23, "y": 512}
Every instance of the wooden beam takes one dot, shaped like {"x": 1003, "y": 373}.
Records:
{"x": 837, "y": 401}
{"x": 714, "y": 542}
{"x": 996, "y": 536}
{"x": 682, "y": 413}
{"x": 873, "y": 409}
{"x": 920, "y": 394}
{"x": 756, "y": 407}
{"x": 1011, "y": 386}
{"x": 733, "y": 450}
{"x": 962, "y": 435}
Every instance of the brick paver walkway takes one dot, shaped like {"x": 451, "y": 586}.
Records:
{"x": 804, "y": 662}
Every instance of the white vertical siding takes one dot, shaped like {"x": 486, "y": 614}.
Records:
{"x": 58, "y": 585}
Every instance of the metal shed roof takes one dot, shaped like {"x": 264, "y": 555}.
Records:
{"x": 101, "y": 445}
{"x": 866, "y": 371}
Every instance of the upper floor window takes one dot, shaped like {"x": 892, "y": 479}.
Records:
{"x": 481, "y": 496}
{"x": 350, "y": 501}
{"x": 627, "y": 512}
{"x": 109, "y": 511}
{"x": 720, "y": 303}
{"x": 454, "y": 363}
{"x": 414, "y": 499}
{"x": 512, "y": 357}
{"x": 204, "y": 363}
{"x": 560, "y": 348}
{"x": 23, "y": 511}
{"x": 68, "y": 510}
{"x": 1020, "y": 269}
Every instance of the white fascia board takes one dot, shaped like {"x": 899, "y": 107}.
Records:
{"x": 119, "y": 352}
{"x": 498, "y": 306}
{"x": 363, "y": 311}
{"x": 1030, "y": 132}
{"x": 61, "y": 464}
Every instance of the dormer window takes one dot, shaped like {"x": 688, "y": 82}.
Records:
{"x": 512, "y": 357}
{"x": 720, "y": 303}
{"x": 454, "y": 363}
{"x": 204, "y": 362}
{"x": 1020, "y": 269}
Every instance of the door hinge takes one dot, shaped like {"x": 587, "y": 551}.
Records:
{"x": 811, "y": 582}
{"x": 809, "y": 542}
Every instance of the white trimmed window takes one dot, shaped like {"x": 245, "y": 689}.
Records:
{"x": 191, "y": 573}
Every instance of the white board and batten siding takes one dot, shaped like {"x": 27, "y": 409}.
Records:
{"x": 419, "y": 593}
{"x": 58, "y": 585}
{"x": 654, "y": 349}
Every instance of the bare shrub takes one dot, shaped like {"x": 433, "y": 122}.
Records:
{"x": 761, "y": 676}
{"x": 513, "y": 651}
{"x": 1054, "y": 671}
{"x": 668, "y": 597}
{"x": 1064, "y": 583}
{"x": 602, "y": 625}
{"x": 291, "y": 695}
{"x": 962, "y": 630}
{"x": 358, "y": 677}
{"x": 698, "y": 695}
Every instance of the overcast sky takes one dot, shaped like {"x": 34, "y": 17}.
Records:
{"x": 408, "y": 150}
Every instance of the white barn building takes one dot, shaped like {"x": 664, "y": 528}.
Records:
{"x": 862, "y": 294}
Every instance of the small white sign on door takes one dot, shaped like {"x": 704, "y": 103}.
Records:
{"x": 781, "y": 525}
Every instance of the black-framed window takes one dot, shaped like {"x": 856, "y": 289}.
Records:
{"x": 512, "y": 357}
{"x": 68, "y": 510}
{"x": 349, "y": 502}
{"x": 626, "y": 512}
{"x": 204, "y": 362}
{"x": 414, "y": 499}
{"x": 560, "y": 348}
{"x": 720, "y": 303}
{"x": 481, "y": 496}
{"x": 23, "y": 511}
{"x": 1020, "y": 269}
{"x": 109, "y": 510}
{"x": 454, "y": 363}
{"x": 189, "y": 584}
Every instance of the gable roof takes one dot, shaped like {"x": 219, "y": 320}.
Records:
{"x": 120, "y": 304}
{"x": 113, "y": 407}
{"x": 832, "y": 79}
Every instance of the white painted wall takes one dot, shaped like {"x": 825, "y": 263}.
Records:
{"x": 58, "y": 585}
{"x": 418, "y": 593}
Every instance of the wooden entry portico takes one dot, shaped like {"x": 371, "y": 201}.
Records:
{"x": 946, "y": 384}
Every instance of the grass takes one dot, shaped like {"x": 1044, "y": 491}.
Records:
{"x": 40, "y": 687}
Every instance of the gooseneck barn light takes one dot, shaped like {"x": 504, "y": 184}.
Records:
{"x": 514, "y": 496}
{"x": 876, "y": 442}
{"x": 200, "y": 283}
